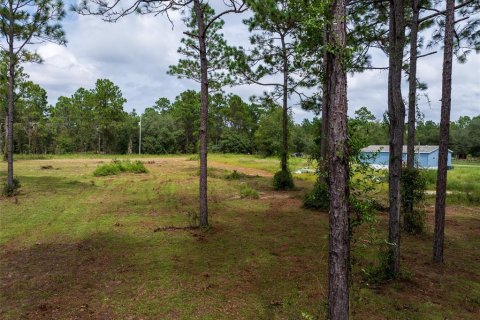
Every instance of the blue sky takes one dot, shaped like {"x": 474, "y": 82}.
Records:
{"x": 136, "y": 51}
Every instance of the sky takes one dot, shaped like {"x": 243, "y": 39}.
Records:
{"x": 136, "y": 51}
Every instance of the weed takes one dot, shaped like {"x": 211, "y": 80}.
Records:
{"x": 235, "y": 175}
{"x": 383, "y": 272}
{"x": 247, "y": 192}
{"x": 193, "y": 219}
{"x": 117, "y": 166}
{"x": 194, "y": 157}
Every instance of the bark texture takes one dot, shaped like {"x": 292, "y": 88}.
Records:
{"x": 284, "y": 157}
{"x": 396, "y": 114}
{"x": 338, "y": 173}
{"x": 412, "y": 86}
{"x": 325, "y": 109}
{"x": 203, "y": 112}
{"x": 439, "y": 235}
{"x": 11, "y": 99}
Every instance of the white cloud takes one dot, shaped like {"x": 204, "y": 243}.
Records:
{"x": 136, "y": 51}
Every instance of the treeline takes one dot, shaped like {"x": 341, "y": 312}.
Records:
{"x": 95, "y": 121}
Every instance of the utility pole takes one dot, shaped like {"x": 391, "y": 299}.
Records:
{"x": 140, "y": 137}
{"x": 98, "y": 144}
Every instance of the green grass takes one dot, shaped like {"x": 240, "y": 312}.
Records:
{"x": 463, "y": 183}
{"x": 247, "y": 192}
{"x": 73, "y": 245}
{"x": 269, "y": 164}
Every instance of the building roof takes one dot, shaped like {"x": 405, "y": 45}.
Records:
{"x": 386, "y": 148}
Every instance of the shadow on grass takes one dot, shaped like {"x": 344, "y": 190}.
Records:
{"x": 163, "y": 275}
{"x": 51, "y": 184}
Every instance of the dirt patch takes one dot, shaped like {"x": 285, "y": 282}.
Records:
{"x": 55, "y": 281}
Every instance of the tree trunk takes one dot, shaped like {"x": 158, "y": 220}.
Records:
{"x": 11, "y": 97}
{"x": 284, "y": 157}
{"x": 396, "y": 113}
{"x": 338, "y": 173}
{"x": 325, "y": 111}
{"x": 130, "y": 145}
{"x": 440, "y": 199}
{"x": 2, "y": 148}
{"x": 203, "y": 113}
{"x": 412, "y": 87}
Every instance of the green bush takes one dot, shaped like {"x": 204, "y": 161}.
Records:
{"x": 247, "y": 192}
{"x": 318, "y": 197}
{"x": 283, "y": 180}
{"x": 13, "y": 190}
{"x": 117, "y": 166}
{"x": 414, "y": 184}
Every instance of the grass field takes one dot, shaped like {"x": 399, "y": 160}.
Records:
{"x": 76, "y": 246}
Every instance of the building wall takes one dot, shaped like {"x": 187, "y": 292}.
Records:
{"x": 381, "y": 158}
{"x": 425, "y": 160}
{"x": 433, "y": 159}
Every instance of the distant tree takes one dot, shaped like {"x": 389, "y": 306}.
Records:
{"x": 186, "y": 112}
{"x": 25, "y": 22}
{"x": 236, "y": 121}
{"x": 473, "y": 130}
{"x": 72, "y": 120}
{"x": 363, "y": 125}
{"x": 268, "y": 137}
{"x": 32, "y": 111}
{"x": 90, "y": 120}
{"x": 21, "y": 78}
{"x": 161, "y": 133}
{"x": 107, "y": 104}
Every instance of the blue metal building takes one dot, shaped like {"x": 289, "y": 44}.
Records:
{"x": 425, "y": 156}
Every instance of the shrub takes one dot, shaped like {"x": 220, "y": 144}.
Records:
{"x": 116, "y": 167}
{"x": 283, "y": 180}
{"x": 247, "y": 192}
{"x": 414, "y": 184}
{"x": 414, "y": 222}
{"x": 235, "y": 175}
{"x": 318, "y": 197}
{"x": 13, "y": 190}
